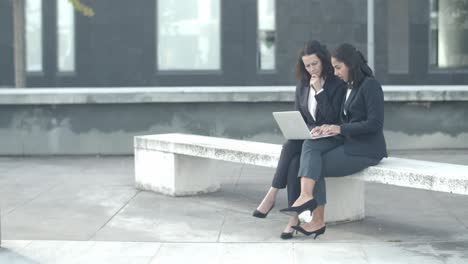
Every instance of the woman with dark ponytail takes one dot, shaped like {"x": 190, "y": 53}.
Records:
{"x": 358, "y": 142}
{"x": 358, "y": 67}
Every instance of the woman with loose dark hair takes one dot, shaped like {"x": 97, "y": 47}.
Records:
{"x": 313, "y": 47}
{"x": 319, "y": 94}
{"x": 357, "y": 143}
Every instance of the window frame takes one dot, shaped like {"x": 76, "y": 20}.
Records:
{"x": 431, "y": 68}
{"x": 196, "y": 72}
{"x": 59, "y": 71}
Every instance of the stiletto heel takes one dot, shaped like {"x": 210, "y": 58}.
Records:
{"x": 259, "y": 214}
{"x": 309, "y": 205}
{"x": 316, "y": 235}
{"x": 317, "y": 232}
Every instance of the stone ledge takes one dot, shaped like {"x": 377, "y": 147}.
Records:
{"x": 433, "y": 176}
{"x": 426, "y": 175}
{"x": 240, "y": 151}
{"x": 124, "y": 95}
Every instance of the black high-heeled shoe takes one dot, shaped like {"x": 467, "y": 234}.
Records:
{"x": 259, "y": 214}
{"x": 289, "y": 235}
{"x": 317, "y": 232}
{"x": 309, "y": 205}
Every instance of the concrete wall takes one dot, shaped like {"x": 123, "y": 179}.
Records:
{"x": 104, "y": 121}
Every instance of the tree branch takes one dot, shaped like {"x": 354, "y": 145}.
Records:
{"x": 84, "y": 9}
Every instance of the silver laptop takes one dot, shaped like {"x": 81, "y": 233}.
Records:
{"x": 293, "y": 126}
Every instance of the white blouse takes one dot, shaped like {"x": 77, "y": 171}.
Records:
{"x": 347, "y": 95}
{"x": 312, "y": 101}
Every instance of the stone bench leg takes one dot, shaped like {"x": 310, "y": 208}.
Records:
{"x": 345, "y": 200}
{"x": 175, "y": 174}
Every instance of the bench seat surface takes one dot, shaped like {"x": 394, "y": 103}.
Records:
{"x": 426, "y": 175}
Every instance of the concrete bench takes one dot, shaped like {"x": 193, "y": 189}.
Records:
{"x": 182, "y": 164}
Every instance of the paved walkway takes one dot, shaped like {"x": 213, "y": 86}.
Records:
{"x": 86, "y": 210}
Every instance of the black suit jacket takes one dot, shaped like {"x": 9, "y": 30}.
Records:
{"x": 362, "y": 125}
{"x": 328, "y": 102}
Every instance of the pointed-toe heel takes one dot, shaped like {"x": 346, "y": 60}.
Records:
{"x": 307, "y": 206}
{"x": 316, "y": 233}
{"x": 287, "y": 235}
{"x": 259, "y": 214}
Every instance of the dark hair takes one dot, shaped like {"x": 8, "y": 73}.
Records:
{"x": 356, "y": 63}
{"x": 321, "y": 51}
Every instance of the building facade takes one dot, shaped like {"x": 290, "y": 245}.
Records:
{"x": 219, "y": 68}
{"x": 232, "y": 43}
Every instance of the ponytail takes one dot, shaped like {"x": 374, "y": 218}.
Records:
{"x": 364, "y": 67}
{"x": 355, "y": 61}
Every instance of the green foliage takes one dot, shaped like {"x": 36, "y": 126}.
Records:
{"x": 84, "y": 9}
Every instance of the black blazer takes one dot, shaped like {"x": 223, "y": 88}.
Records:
{"x": 328, "y": 102}
{"x": 363, "y": 123}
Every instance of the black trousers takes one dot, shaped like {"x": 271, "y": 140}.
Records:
{"x": 287, "y": 169}
{"x": 327, "y": 158}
